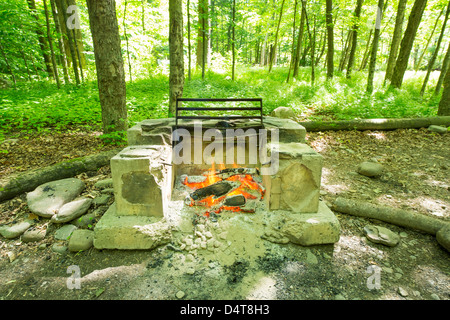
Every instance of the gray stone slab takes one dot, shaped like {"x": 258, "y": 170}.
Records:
{"x": 48, "y": 198}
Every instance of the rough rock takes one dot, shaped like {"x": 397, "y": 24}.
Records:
{"x": 85, "y": 220}
{"x": 104, "y": 184}
{"x": 370, "y": 169}
{"x": 34, "y": 235}
{"x": 81, "y": 240}
{"x": 59, "y": 248}
{"x": 48, "y": 198}
{"x": 65, "y": 232}
{"x": 438, "y": 129}
{"x": 283, "y": 113}
{"x": 72, "y": 210}
{"x": 15, "y": 230}
{"x": 443, "y": 237}
{"x": 381, "y": 235}
{"x": 102, "y": 200}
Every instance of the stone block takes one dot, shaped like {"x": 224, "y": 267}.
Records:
{"x": 142, "y": 179}
{"x": 115, "y": 231}
{"x": 295, "y": 186}
{"x": 306, "y": 229}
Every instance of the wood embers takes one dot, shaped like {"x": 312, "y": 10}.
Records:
{"x": 224, "y": 190}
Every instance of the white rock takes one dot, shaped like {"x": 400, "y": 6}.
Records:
{"x": 72, "y": 210}
{"x": 49, "y": 197}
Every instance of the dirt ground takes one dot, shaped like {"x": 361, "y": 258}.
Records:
{"x": 416, "y": 177}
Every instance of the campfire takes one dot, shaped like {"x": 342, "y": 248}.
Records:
{"x": 227, "y": 189}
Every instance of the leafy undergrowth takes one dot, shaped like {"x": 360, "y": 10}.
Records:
{"x": 40, "y": 107}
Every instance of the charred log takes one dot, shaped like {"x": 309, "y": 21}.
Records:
{"x": 217, "y": 189}
{"x": 235, "y": 201}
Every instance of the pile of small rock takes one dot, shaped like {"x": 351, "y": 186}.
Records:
{"x": 63, "y": 206}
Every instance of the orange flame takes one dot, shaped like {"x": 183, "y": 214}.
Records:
{"x": 246, "y": 184}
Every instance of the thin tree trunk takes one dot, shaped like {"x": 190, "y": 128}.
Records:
{"x": 311, "y": 40}
{"x": 126, "y": 39}
{"x": 445, "y": 67}
{"x": 435, "y": 53}
{"x": 7, "y": 64}
{"x": 189, "y": 39}
{"x": 407, "y": 43}
{"x": 62, "y": 53}
{"x": 396, "y": 38}
{"x": 26, "y": 63}
{"x": 299, "y": 43}
{"x": 366, "y": 52}
{"x": 425, "y": 49}
{"x": 351, "y": 59}
{"x": 293, "y": 43}
{"x": 272, "y": 57}
{"x": 143, "y": 15}
{"x": 330, "y": 39}
{"x": 345, "y": 51}
{"x": 50, "y": 42}
{"x": 109, "y": 64}
{"x": 444, "y": 104}
{"x": 233, "y": 40}
{"x": 41, "y": 38}
{"x": 70, "y": 42}
{"x": 176, "y": 77}
{"x": 373, "y": 55}
{"x": 202, "y": 24}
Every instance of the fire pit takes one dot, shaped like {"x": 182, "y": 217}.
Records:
{"x": 180, "y": 172}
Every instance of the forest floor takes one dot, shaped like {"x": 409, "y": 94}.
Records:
{"x": 416, "y": 177}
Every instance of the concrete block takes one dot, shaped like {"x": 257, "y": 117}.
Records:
{"x": 142, "y": 179}
{"x": 114, "y": 231}
{"x": 297, "y": 180}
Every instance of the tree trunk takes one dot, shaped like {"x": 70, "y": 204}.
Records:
{"x": 233, "y": 39}
{"x": 202, "y": 28}
{"x": 407, "y": 43}
{"x": 445, "y": 67}
{"x": 78, "y": 41}
{"x": 62, "y": 53}
{"x": 176, "y": 77}
{"x": 311, "y": 40}
{"x": 30, "y": 180}
{"x": 26, "y": 63}
{"x": 355, "y": 28}
{"x": 330, "y": 39}
{"x": 50, "y": 42}
{"x": 373, "y": 55}
{"x": 272, "y": 56}
{"x": 376, "y": 124}
{"x": 189, "y": 39}
{"x": 41, "y": 39}
{"x": 293, "y": 44}
{"x": 396, "y": 37}
{"x": 299, "y": 43}
{"x": 109, "y": 64}
{"x": 408, "y": 219}
{"x": 366, "y": 52}
{"x": 126, "y": 39}
{"x": 444, "y": 104}
{"x": 435, "y": 53}
{"x": 70, "y": 41}
{"x": 425, "y": 49}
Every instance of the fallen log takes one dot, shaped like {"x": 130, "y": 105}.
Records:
{"x": 398, "y": 217}
{"x": 28, "y": 181}
{"x": 375, "y": 124}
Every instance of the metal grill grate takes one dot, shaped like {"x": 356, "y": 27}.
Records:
{"x": 224, "y": 118}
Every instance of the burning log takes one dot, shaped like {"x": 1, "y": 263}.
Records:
{"x": 235, "y": 201}
{"x": 216, "y": 190}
